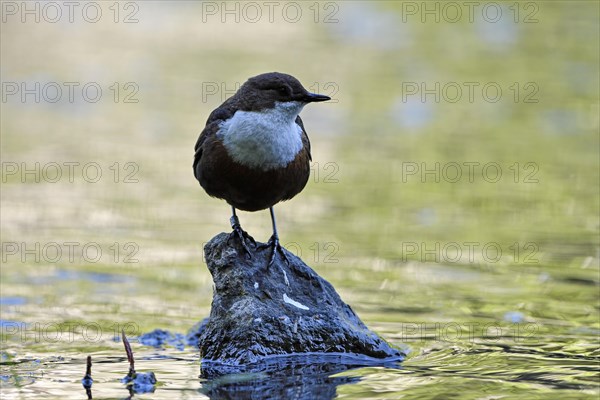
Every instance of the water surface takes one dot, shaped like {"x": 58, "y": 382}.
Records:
{"x": 463, "y": 229}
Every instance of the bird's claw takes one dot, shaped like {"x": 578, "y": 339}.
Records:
{"x": 243, "y": 236}
{"x": 274, "y": 243}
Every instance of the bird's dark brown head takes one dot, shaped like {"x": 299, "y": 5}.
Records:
{"x": 264, "y": 90}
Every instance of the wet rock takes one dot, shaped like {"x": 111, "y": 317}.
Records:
{"x": 136, "y": 382}
{"x": 159, "y": 338}
{"x": 192, "y": 338}
{"x": 140, "y": 382}
{"x": 299, "y": 378}
{"x": 260, "y": 314}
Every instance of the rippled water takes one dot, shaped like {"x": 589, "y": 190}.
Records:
{"x": 463, "y": 344}
{"x": 489, "y": 282}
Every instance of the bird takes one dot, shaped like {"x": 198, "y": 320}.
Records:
{"x": 254, "y": 151}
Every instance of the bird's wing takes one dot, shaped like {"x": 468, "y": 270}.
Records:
{"x": 305, "y": 139}
{"x": 224, "y": 112}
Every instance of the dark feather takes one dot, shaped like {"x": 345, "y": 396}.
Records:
{"x": 243, "y": 187}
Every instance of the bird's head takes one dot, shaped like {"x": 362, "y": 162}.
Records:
{"x": 277, "y": 90}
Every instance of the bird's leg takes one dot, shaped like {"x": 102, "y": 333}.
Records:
{"x": 240, "y": 233}
{"x": 274, "y": 242}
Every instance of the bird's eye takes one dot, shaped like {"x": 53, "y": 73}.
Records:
{"x": 282, "y": 89}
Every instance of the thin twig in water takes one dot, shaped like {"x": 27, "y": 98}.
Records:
{"x": 129, "y": 352}
{"x": 87, "y": 380}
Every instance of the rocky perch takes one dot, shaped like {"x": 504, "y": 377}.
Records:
{"x": 262, "y": 315}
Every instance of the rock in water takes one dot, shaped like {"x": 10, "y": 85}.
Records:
{"x": 260, "y": 313}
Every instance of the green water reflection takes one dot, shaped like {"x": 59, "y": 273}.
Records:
{"x": 454, "y": 201}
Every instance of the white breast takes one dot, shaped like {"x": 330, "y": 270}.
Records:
{"x": 267, "y": 139}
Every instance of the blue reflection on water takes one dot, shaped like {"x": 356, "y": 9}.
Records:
{"x": 497, "y": 27}
{"x": 412, "y": 113}
{"x": 560, "y": 122}
{"x": 70, "y": 275}
{"x": 12, "y": 301}
{"x": 365, "y": 23}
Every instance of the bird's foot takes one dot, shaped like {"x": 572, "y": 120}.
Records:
{"x": 243, "y": 236}
{"x": 274, "y": 243}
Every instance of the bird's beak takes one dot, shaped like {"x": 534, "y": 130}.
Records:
{"x": 314, "y": 97}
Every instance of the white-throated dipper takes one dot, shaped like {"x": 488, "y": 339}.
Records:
{"x": 254, "y": 151}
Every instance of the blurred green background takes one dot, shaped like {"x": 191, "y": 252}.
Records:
{"x": 422, "y": 91}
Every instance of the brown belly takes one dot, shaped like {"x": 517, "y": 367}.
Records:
{"x": 250, "y": 189}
